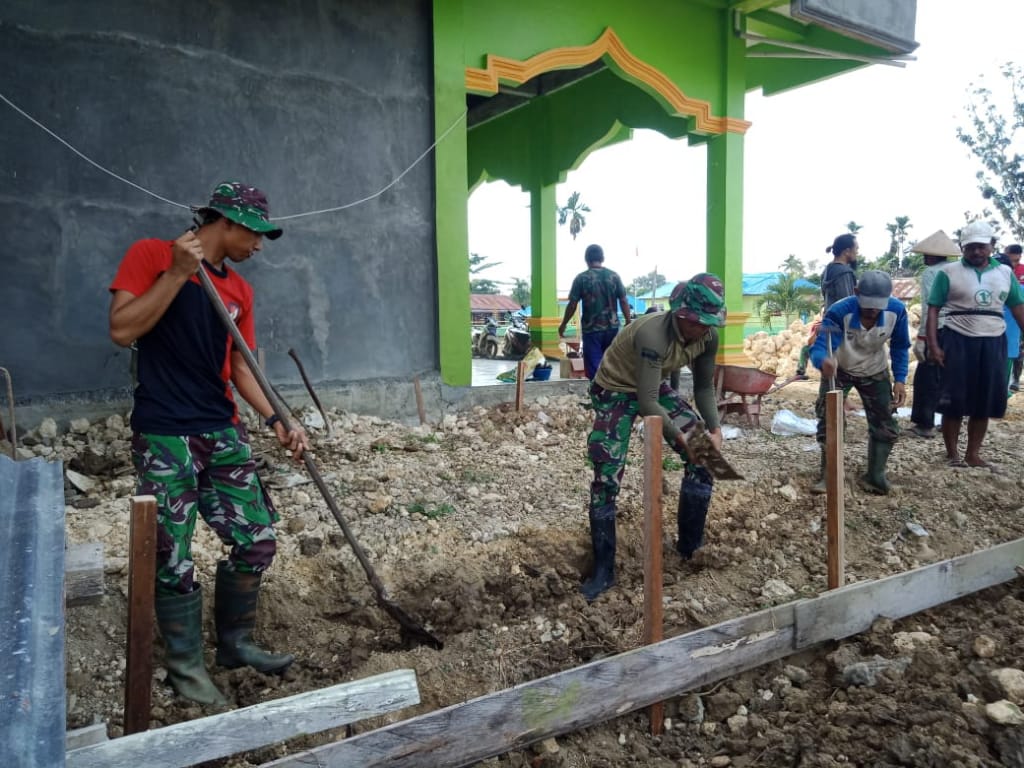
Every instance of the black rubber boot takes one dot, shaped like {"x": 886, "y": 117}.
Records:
{"x": 180, "y": 618}
{"x": 694, "y": 500}
{"x": 875, "y": 481}
{"x": 235, "y": 614}
{"x": 602, "y": 539}
{"x": 820, "y": 485}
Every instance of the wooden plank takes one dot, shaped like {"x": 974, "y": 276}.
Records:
{"x": 83, "y": 574}
{"x": 520, "y": 376}
{"x": 654, "y": 630}
{"x": 834, "y": 487}
{"x": 420, "y": 408}
{"x": 854, "y": 608}
{"x": 260, "y": 725}
{"x": 466, "y": 733}
{"x": 32, "y": 678}
{"x": 138, "y": 681}
{"x": 85, "y": 737}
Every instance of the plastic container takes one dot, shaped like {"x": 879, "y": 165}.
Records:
{"x": 542, "y": 373}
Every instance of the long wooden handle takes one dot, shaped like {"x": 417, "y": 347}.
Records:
{"x": 282, "y": 412}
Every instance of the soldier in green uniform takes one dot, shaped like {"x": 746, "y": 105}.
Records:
{"x": 631, "y": 382}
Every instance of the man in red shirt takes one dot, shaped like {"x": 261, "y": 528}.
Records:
{"x": 189, "y": 447}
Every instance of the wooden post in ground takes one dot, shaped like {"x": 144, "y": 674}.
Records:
{"x": 520, "y": 375}
{"x": 834, "y": 486}
{"x": 653, "y": 619}
{"x": 420, "y": 409}
{"x": 138, "y": 675}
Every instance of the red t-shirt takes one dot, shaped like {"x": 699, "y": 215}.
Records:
{"x": 1019, "y": 272}
{"x": 184, "y": 362}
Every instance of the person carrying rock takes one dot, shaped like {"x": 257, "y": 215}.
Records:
{"x": 189, "y": 447}
{"x": 850, "y": 352}
{"x": 631, "y": 382}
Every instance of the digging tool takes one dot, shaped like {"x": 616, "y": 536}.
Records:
{"x": 411, "y": 630}
{"x": 707, "y": 455}
{"x": 309, "y": 388}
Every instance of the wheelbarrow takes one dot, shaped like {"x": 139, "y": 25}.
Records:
{"x": 739, "y": 389}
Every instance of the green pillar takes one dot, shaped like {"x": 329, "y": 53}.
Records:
{"x": 543, "y": 272}
{"x": 450, "y": 209}
{"x": 725, "y": 207}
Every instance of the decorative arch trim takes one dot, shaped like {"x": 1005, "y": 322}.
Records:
{"x": 500, "y": 68}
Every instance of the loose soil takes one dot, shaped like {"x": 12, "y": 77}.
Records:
{"x": 478, "y": 525}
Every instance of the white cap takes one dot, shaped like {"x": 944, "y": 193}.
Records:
{"x": 977, "y": 232}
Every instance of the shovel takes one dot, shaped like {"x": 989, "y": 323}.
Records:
{"x": 411, "y": 630}
{"x": 707, "y": 455}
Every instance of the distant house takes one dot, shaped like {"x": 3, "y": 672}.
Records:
{"x": 493, "y": 305}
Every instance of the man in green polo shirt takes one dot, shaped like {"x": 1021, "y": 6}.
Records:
{"x": 631, "y": 382}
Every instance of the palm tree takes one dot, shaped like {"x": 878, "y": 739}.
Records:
{"x": 521, "y": 291}
{"x": 792, "y": 266}
{"x": 573, "y": 212}
{"x": 785, "y": 298}
{"x": 853, "y": 227}
{"x": 478, "y": 264}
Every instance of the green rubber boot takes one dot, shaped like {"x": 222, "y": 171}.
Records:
{"x": 180, "y": 618}
{"x": 875, "y": 481}
{"x": 235, "y": 614}
{"x": 820, "y": 485}
{"x": 602, "y": 539}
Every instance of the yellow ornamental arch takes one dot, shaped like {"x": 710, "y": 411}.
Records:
{"x": 500, "y": 69}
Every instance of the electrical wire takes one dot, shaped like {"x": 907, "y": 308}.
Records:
{"x": 318, "y": 212}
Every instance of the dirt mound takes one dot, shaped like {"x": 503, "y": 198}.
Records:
{"x": 478, "y": 526}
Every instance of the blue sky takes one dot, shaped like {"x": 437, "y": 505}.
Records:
{"x": 866, "y": 146}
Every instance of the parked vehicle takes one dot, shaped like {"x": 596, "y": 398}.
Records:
{"x": 517, "y": 338}
{"x": 485, "y": 340}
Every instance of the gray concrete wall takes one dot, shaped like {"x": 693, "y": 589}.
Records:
{"x": 318, "y": 102}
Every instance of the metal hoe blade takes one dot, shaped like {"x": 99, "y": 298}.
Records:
{"x": 705, "y": 453}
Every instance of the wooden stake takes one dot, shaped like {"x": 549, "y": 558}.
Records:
{"x": 834, "y": 486}
{"x": 653, "y": 619}
{"x": 420, "y": 409}
{"x": 141, "y": 588}
{"x": 520, "y": 375}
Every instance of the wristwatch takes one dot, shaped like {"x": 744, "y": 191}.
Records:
{"x": 272, "y": 419}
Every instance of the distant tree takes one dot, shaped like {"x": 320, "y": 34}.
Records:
{"x": 648, "y": 283}
{"x": 994, "y": 137}
{"x": 785, "y": 298}
{"x": 521, "y": 291}
{"x": 853, "y": 227}
{"x": 792, "y": 266}
{"x": 478, "y": 264}
{"x": 572, "y": 212}
{"x": 892, "y": 260}
{"x": 813, "y": 274}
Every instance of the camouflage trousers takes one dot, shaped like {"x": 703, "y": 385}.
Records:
{"x": 211, "y": 474}
{"x": 876, "y": 394}
{"x": 608, "y": 444}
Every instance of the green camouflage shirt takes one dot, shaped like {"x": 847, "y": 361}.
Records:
{"x": 598, "y": 290}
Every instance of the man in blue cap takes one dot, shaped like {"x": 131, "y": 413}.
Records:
{"x": 850, "y": 352}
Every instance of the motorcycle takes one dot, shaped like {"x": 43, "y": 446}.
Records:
{"x": 485, "y": 340}
{"x": 517, "y": 338}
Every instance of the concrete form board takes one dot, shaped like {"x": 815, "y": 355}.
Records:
{"x": 32, "y": 716}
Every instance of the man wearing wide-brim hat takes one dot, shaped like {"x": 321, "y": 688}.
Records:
{"x": 936, "y": 249}
{"x": 971, "y": 347}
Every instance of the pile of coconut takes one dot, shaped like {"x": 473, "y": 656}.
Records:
{"x": 780, "y": 353}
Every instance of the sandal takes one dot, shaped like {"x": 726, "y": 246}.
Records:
{"x": 957, "y": 462}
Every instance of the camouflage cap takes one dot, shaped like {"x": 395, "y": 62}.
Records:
{"x": 243, "y": 205}
{"x": 700, "y": 299}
